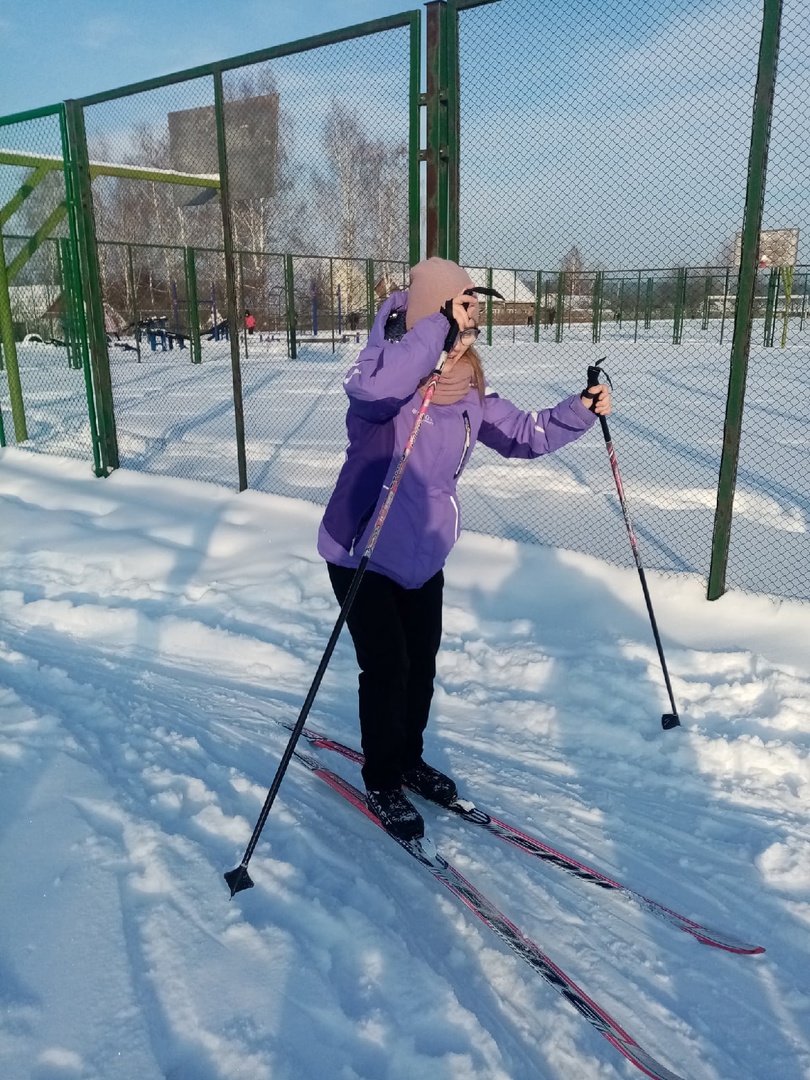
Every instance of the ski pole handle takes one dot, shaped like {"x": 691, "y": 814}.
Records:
{"x": 452, "y": 334}
{"x": 447, "y": 310}
{"x": 594, "y": 373}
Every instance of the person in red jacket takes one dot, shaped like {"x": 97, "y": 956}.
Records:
{"x": 250, "y": 322}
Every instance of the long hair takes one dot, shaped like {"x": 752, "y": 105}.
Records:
{"x": 478, "y": 379}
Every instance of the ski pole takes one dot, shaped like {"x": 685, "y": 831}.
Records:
{"x": 239, "y": 878}
{"x": 671, "y": 719}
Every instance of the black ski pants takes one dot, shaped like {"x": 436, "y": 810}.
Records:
{"x": 396, "y": 634}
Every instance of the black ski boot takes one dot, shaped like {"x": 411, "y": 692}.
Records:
{"x": 397, "y": 813}
{"x": 431, "y": 784}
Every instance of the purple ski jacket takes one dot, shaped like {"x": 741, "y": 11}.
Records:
{"x": 423, "y": 521}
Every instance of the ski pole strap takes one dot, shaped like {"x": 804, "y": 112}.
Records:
{"x": 447, "y": 310}
{"x": 592, "y": 397}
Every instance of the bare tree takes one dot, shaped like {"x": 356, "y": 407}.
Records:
{"x": 362, "y": 189}
{"x": 572, "y": 265}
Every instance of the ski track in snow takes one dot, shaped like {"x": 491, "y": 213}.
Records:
{"x": 151, "y": 631}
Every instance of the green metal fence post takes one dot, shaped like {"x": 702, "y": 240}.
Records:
{"x": 72, "y": 297}
{"x": 680, "y": 305}
{"x": 597, "y": 306}
{"x": 452, "y": 77}
{"x": 490, "y": 300}
{"x": 61, "y": 259}
{"x": 560, "y": 313}
{"x": 571, "y": 283}
{"x": 292, "y": 318}
{"x": 10, "y": 350}
{"x": 80, "y": 209}
{"x": 192, "y": 304}
{"x": 787, "y": 278}
{"x": 332, "y": 298}
{"x": 136, "y": 316}
{"x": 638, "y": 303}
{"x": 370, "y": 305}
{"x": 230, "y": 277}
{"x": 725, "y": 303}
{"x": 242, "y": 304}
{"x": 743, "y": 315}
{"x": 68, "y": 328}
{"x": 514, "y": 304}
{"x": 770, "y": 307}
{"x": 414, "y": 133}
{"x": 75, "y": 289}
{"x": 436, "y": 150}
{"x": 707, "y": 292}
{"x": 648, "y": 303}
{"x": 538, "y": 296}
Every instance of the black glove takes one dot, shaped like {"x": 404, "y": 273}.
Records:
{"x": 395, "y": 326}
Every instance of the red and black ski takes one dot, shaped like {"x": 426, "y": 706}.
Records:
{"x": 471, "y": 813}
{"x": 425, "y": 853}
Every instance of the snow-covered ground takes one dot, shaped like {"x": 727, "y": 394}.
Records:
{"x": 152, "y": 629}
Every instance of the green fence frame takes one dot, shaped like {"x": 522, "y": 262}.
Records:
{"x": 72, "y": 282}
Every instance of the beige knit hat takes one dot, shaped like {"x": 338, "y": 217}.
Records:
{"x": 434, "y": 281}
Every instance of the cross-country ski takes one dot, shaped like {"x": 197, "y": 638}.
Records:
{"x": 471, "y": 813}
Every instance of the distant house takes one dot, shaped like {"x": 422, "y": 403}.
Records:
{"x": 39, "y": 309}
{"x": 32, "y": 309}
{"x": 518, "y": 304}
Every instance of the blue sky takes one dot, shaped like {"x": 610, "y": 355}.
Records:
{"x": 50, "y": 50}
{"x": 619, "y": 127}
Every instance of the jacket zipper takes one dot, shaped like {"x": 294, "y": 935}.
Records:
{"x": 467, "y": 435}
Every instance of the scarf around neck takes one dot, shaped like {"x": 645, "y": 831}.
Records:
{"x": 452, "y": 385}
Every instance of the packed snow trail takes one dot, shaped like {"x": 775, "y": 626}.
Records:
{"x": 148, "y": 629}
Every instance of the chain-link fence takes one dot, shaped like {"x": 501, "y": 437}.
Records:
{"x": 156, "y": 195}
{"x": 596, "y": 137}
{"x": 204, "y": 189}
{"x": 229, "y": 232}
{"x": 333, "y": 199}
{"x": 43, "y": 374}
{"x": 772, "y": 500}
